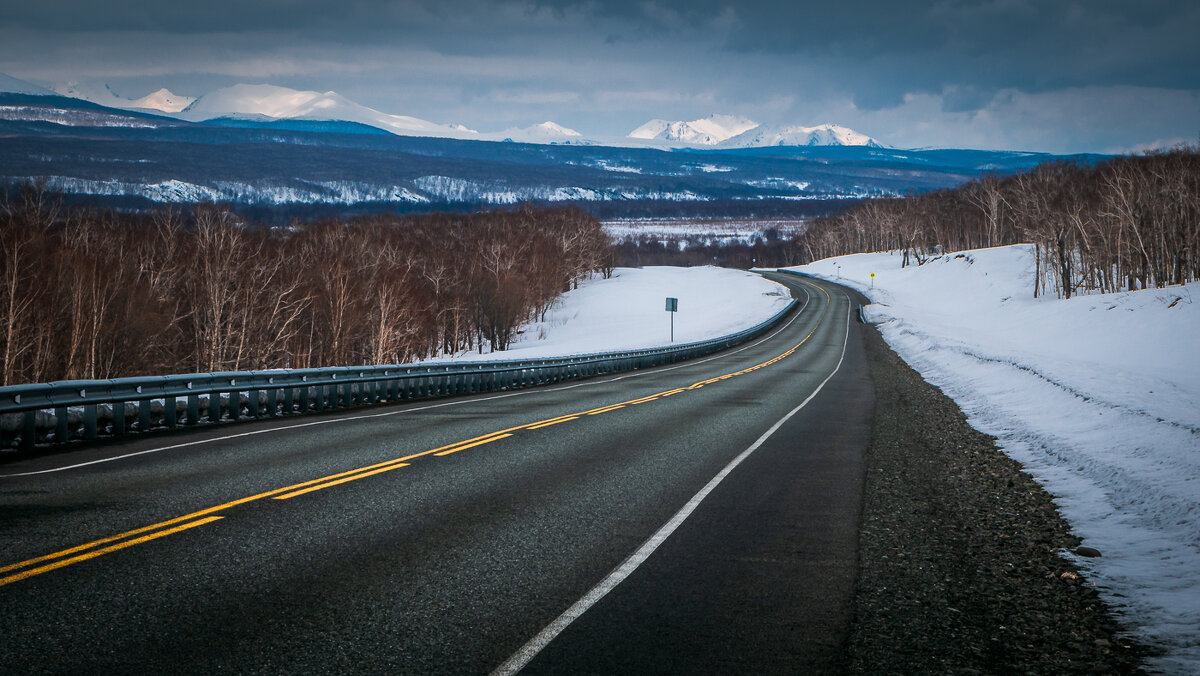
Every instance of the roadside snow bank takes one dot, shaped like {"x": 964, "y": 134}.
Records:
{"x": 1097, "y": 396}
{"x": 628, "y": 312}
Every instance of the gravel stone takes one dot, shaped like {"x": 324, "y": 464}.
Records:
{"x": 959, "y": 566}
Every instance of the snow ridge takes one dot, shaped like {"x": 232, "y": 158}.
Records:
{"x": 272, "y": 102}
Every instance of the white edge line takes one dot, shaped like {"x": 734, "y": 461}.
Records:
{"x": 532, "y": 390}
{"x": 536, "y": 644}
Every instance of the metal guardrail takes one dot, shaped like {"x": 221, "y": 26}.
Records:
{"x": 123, "y": 405}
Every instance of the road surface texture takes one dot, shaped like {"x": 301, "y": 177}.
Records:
{"x": 693, "y": 519}
{"x": 441, "y": 537}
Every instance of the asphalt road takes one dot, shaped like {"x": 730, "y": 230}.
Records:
{"x": 445, "y": 536}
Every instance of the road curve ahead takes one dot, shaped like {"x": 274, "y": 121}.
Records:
{"x": 695, "y": 518}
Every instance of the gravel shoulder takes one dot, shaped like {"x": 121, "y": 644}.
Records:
{"x": 959, "y": 569}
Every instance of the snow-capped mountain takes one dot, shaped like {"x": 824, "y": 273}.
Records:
{"x": 546, "y": 132}
{"x": 728, "y": 131}
{"x": 161, "y": 101}
{"x": 820, "y": 135}
{"x": 272, "y": 102}
{"x": 12, "y": 85}
{"x": 164, "y": 100}
{"x": 707, "y": 131}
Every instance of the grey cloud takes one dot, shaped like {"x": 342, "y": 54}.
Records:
{"x": 615, "y": 64}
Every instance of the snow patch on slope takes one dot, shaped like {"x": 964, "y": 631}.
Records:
{"x": 1097, "y": 396}
{"x": 626, "y": 312}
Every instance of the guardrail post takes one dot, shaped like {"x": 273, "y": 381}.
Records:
{"x": 89, "y": 421}
{"x": 252, "y": 397}
{"x": 170, "y": 411}
{"x": 193, "y": 409}
{"x": 235, "y": 405}
{"x": 144, "y": 415}
{"x": 118, "y": 418}
{"x": 272, "y": 402}
{"x": 62, "y": 425}
{"x": 214, "y": 407}
{"x": 29, "y": 430}
{"x": 304, "y": 399}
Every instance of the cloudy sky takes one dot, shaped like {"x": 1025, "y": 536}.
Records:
{"x": 1090, "y": 75}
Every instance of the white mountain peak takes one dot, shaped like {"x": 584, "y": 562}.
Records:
{"x": 729, "y": 131}
{"x": 11, "y": 85}
{"x": 795, "y": 135}
{"x": 164, "y": 100}
{"x": 544, "y": 132}
{"x": 707, "y": 131}
{"x": 276, "y": 102}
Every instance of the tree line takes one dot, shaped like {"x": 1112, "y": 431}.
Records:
{"x": 90, "y": 293}
{"x": 1128, "y": 223}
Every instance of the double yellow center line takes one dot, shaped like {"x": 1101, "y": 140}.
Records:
{"x": 42, "y": 564}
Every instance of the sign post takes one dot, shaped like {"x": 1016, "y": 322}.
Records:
{"x": 872, "y": 280}
{"x": 672, "y": 307}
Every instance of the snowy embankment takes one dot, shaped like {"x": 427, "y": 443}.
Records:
{"x": 1097, "y": 396}
{"x": 627, "y": 312}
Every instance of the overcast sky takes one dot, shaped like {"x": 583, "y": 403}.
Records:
{"x": 1093, "y": 75}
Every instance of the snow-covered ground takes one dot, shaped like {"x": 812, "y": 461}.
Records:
{"x": 628, "y": 312}
{"x": 721, "y": 231}
{"x": 1097, "y": 396}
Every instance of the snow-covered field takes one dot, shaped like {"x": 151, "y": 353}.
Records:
{"x": 629, "y": 312}
{"x": 1097, "y": 396}
{"x": 715, "y": 231}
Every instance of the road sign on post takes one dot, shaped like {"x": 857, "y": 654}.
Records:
{"x": 872, "y": 280}
{"x": 672, "y": 307}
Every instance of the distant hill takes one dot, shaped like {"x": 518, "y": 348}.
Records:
{"x": 135, "y": 159}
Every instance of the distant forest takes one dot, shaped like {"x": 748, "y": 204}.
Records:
{"x": 1124, "y": 224}
{"x": 100, "y": 294}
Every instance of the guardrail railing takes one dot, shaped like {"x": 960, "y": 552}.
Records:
{"x": 60, "y": 412}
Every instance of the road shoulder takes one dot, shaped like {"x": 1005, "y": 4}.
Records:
{"x": 958, "y": 563}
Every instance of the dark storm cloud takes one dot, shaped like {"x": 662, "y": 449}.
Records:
{"x": 894, "y": 48}
{"x": 912, "y": 69}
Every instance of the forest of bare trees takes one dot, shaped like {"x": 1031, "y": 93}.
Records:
{"x": 101, "y": 294}
{"x": 1127, "y": 223}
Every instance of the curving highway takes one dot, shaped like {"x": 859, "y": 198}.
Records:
{"x": 695, "y": 518}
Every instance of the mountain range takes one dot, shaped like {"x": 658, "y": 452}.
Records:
{"x": 301, "y": 154}
{"x": 264, "y": 102}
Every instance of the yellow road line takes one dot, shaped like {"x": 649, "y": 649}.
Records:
{"x": 107, "y": 550}
{"x": 350, "y": 475}
{"x": 477, "y": 443}
{"x": 644, "y": 399}
{"x": 343, "y": 480}
{"x": 552, "y": 422}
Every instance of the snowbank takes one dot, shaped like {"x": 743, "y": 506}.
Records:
{"x": 628, "y": 312}
{"x": 1097, "y": 396}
